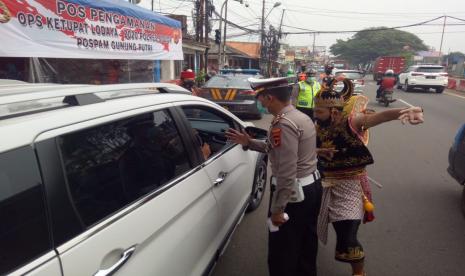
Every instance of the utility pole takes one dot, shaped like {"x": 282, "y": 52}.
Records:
{"x": 197, "y": 20}
{"x": 201, "y": 27}
{"x": 207, "y": 31}
{"x": 442, "y": 38}
{"x": 220, "y": 46}
{"x": 262, "y": 37}
{"x": 279, "y": 35}
{"x": 313, "y": 51}
{"x": 281, "y": 23}
{"x": 223, "y": 41}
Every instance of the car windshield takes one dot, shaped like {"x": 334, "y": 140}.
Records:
{"x": 233, "y": 81}
{"x": 350, "y": 75}
{"x": 430, "y": 69}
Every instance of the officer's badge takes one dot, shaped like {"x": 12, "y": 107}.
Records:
{"x": 276, "y": 137}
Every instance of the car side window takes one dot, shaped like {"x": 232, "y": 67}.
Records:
{"x": 109, "y": 166}
{"x": 208, "y": 126}
{"x": 24, "y": 234}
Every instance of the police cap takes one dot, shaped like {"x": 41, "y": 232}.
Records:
{"x": 275, "y": 85}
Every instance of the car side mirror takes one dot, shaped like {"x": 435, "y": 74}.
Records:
{"x": 256, "y": 133}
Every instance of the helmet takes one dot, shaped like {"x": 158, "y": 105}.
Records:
{"x": 389, "y": 72}
{"x": 329, "y": 68}
{"x": 311, "y": 72}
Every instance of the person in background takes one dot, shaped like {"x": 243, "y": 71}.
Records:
{"x": 304, "y": 92}
{"x": 187, "y": 78}
{"x": 114, "y": 72}
{"x": 387, "y": 82}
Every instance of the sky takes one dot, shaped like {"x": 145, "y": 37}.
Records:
{"x": 338, "y": 15}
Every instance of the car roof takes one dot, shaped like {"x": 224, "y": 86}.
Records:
{"x": 9, "y": 81}
{"x": 22, "y": 130}
{"x": 347, "y": 71}
{"x": 240, "y": 71}
{"x": 429, "y": 65}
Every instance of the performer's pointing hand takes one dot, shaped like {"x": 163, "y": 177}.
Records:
{"x": 413, "y": 115}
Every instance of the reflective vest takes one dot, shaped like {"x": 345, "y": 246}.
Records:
{"x": 306, "y": 94}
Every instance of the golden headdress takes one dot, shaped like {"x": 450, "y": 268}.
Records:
{"x": 329, "y": 97}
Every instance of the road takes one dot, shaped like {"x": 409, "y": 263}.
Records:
{"x": 419, "y": 228}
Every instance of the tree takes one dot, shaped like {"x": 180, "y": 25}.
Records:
{"x": 368, "y": 44}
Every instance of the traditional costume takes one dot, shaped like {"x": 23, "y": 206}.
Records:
{"x": 345, "y": 183}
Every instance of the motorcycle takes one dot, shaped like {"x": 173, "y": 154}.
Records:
{"x": 386, "y": 97}
{"x": 188, "y": 84}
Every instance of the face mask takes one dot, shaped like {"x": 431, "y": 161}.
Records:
{"x": 310, "y": 79}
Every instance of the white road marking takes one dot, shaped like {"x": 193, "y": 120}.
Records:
{"x": 405, "y": 102}
{"x": 375, "y": 182}
{"x": 455, "y": 95}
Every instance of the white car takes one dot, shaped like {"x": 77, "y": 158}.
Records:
{"x": 355, "y": 76}
{"x": 425, "y": 77}
{"x": 119, "y": 180}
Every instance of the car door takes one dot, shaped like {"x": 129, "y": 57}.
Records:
{"x": 141, "y": 206}
{"x": 229, "y": 166}
{"x": 26, "y": 247}
{"x": 459, "y": 157}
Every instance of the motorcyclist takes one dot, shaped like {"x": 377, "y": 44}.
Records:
{"x": 187, "y": 78}
{"x": 327, "y": 77}
{"x": 387, "y": 82}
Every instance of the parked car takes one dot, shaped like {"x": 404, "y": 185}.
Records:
{"x": 231, "y": 90}
{"x": 355, "y": 76}
{"x": 425, "y": 77}
{"x": 457, "y": 161}
{"x": 126, "y": 179}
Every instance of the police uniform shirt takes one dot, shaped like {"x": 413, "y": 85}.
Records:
{"x": 291, "y": 146}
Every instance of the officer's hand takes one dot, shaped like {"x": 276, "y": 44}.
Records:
{"x": 278, "y": 219}
{"x": 238, "y": 137}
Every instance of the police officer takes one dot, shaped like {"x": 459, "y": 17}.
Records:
{"x": 296, "y": 185}
{"x": 304, "y": 93}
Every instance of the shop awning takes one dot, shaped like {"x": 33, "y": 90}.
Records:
{"x": 89, "y": 29}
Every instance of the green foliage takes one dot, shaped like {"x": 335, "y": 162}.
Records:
{"x": 200, "y": 78}
{"x": 367, "y": 45}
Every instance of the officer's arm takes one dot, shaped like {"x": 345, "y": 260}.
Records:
{"x": 241, "y": 137}
{"x": 257, "y": 145}
{"x": 286, "y": 164}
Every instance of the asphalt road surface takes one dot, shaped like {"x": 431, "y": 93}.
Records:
{"x": 419, "y": 228}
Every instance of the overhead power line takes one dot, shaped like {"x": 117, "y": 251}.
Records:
{"x": 236, "y": 25}
{"x": 307, "y": 8}
{"x": 460, "y": 19}
{"x": 367, "y": 30}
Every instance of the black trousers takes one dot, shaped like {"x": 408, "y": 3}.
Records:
{"x": 348, "y": 248}
{"x": 306, "y": 111}
{"x": 293, "y": 249}
{"x": 378, "y": 92}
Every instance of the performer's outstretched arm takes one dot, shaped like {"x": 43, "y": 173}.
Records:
{"x": 412, "y": 115}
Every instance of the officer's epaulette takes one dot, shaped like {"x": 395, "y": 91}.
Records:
{"x": 284, "y": 117}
